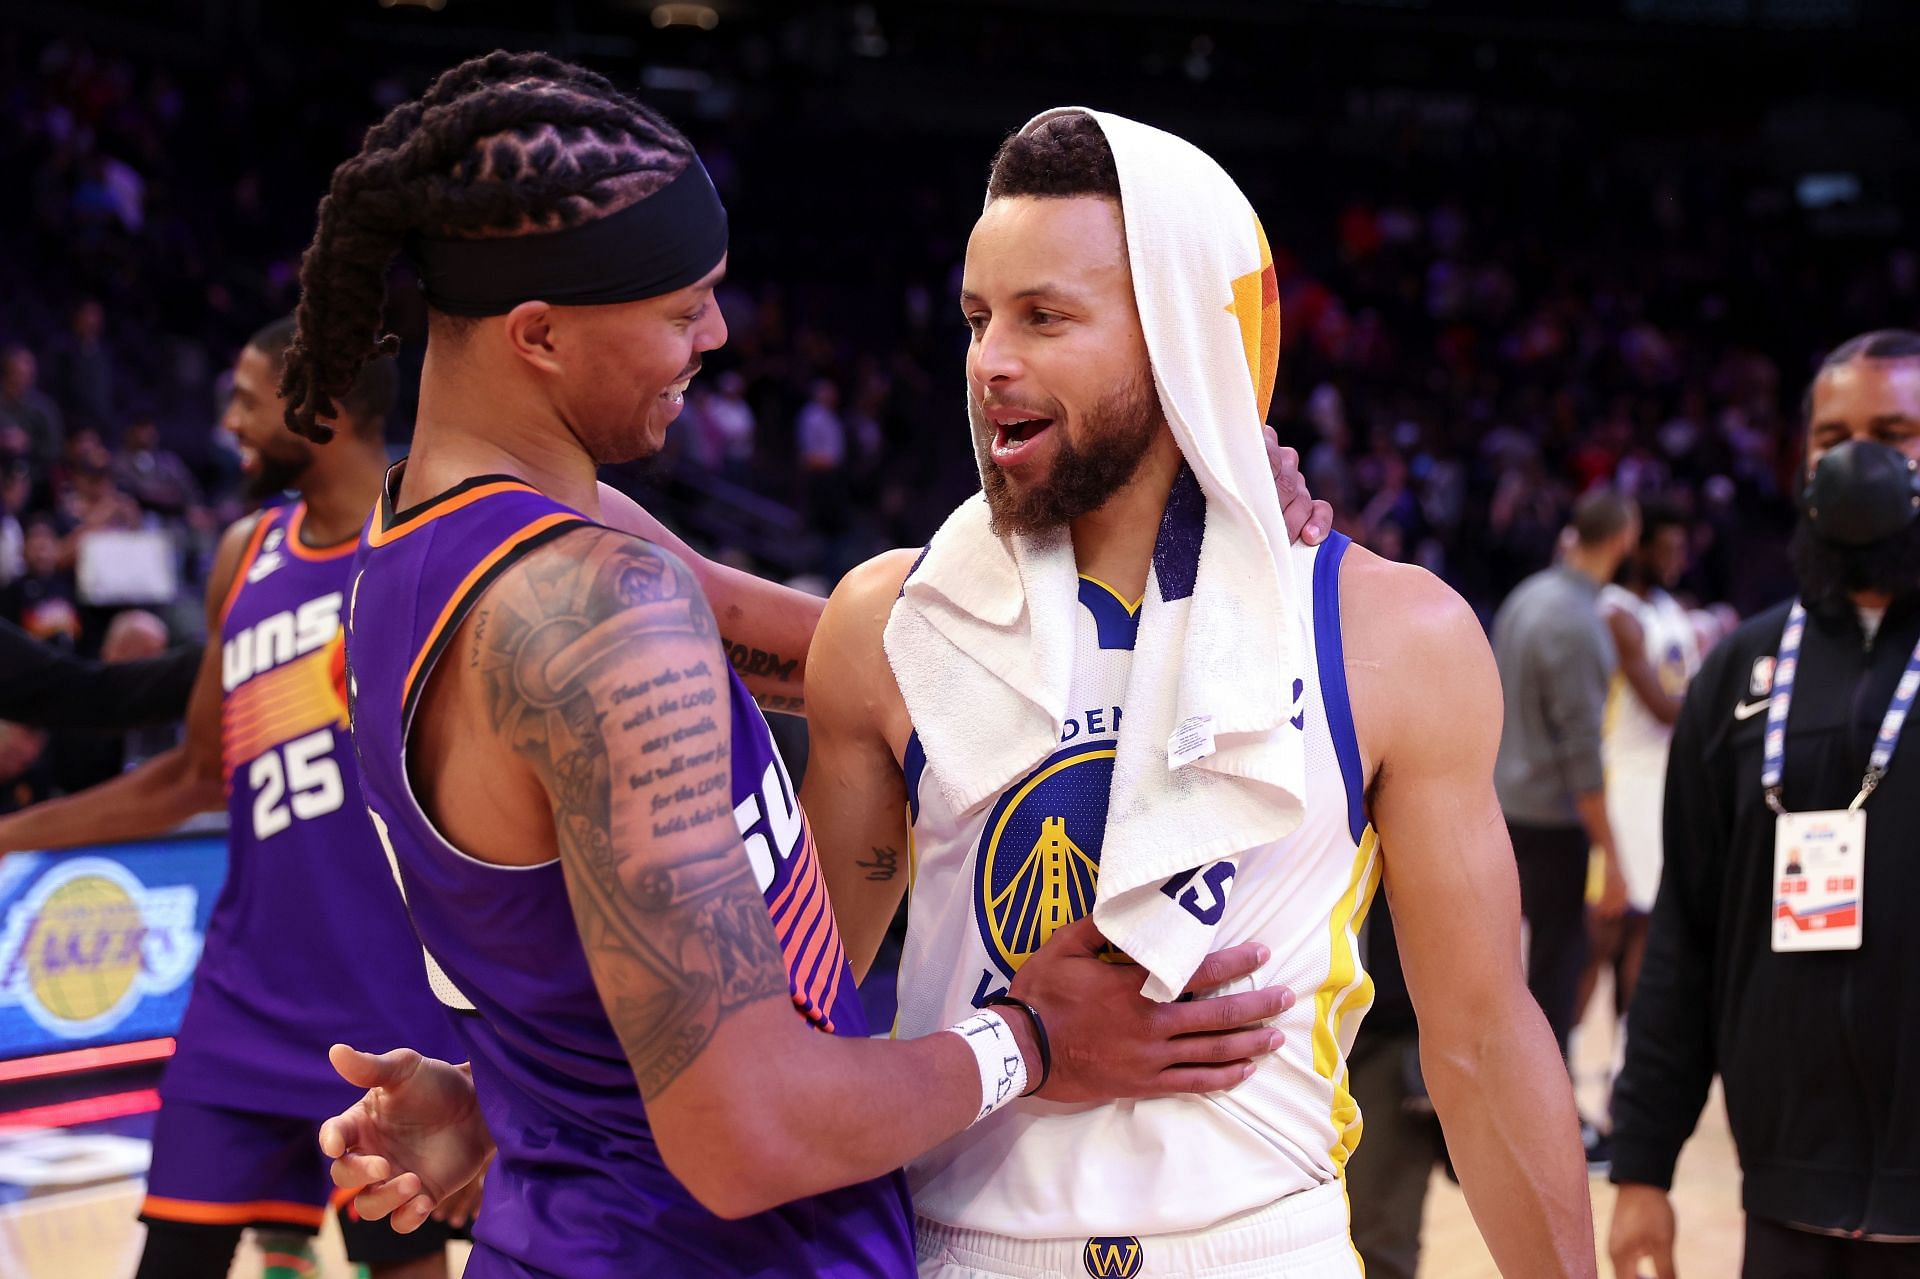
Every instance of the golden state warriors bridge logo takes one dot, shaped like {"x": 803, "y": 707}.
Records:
{"x": 1039, "y": 861}
{"x": 89, "y": 941}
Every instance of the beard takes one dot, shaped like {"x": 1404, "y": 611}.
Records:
{"x": 1118, "y": 431}
{"x": 1829, "y": 573}
{"x": 276, "y": 473}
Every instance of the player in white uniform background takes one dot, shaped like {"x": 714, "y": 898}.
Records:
{"x": 1660, "y": 644}
{"x": 1399, "y": 703}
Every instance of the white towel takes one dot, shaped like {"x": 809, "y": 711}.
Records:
{"x": 981, "y": 642}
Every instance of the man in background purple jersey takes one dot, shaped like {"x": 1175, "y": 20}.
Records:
{"x": 601, "y": 853}
{"x": 308, "y": 942}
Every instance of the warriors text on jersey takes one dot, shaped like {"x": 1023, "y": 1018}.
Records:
{"x": 579, "y": 1187}
{"x": 308, "y": 944}
{"x": 990, "y": 884}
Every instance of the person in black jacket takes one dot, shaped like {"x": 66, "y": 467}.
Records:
{"x": 1818, "y": 1049}
{"x": 46, "y": 687}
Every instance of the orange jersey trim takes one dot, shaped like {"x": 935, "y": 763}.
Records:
{"x": 316, "y": 554}
{"x": 379, "y": 533}
{"x": 193, "y": 1212}
{"x": 266, "y": 521}
{"x": 480, "y": 570}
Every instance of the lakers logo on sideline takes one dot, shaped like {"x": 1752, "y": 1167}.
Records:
{"x": 1112, "y": 1257}
{"x": 89, "y": 941}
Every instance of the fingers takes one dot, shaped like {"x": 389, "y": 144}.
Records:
{"x": 458, "y": 1208}
{"x": 1191, "y": 1079}
{"x": 1231, "y": 964}
{"x": 1224, "y": 1012}
{"x": 1079, "y": 936}
{"x": 394, "y": 1195}
{"x": 366, "y": 1070}
{"x": 356, "y": 1172}
{"x": 1319, "y": 524}
{"x": 412, "y": 1215}
{"x": 1235, "y": 1046}
{"x": 340, "y": 1134}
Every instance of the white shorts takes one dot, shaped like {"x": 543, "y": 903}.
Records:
{"x": 1303, "y": 1236}
{"x": 1635, "y": 792}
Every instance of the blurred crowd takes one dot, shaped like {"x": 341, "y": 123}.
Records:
{"x": 1464, "y": 352}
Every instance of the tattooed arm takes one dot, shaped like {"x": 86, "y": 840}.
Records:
{"x": 591, "y": 722}
{"x": 600, "y": 667}
{"x": 853, "y": 791}
{"x": 765, "y": 628}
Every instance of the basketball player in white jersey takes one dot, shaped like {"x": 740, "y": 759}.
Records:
{"x": 1400, "y": 702}
{"x": 1659, "y": 643}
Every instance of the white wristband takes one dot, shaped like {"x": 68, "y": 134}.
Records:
{"x": 1003, "y": 1070}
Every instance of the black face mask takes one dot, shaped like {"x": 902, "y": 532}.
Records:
{"x": 1862, "y": 493}
{"x": 1857, "y": 530}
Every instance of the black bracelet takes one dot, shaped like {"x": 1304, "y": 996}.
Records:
{"x": 1039, "y": 1038}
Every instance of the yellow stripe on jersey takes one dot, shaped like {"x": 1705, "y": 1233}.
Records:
{"x": 1348, "y": 987}
{"x": 1132, "y": 606}
{"x": 1610, "y": 717}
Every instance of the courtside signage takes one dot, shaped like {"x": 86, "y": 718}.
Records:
{"x": 98, "y": 945}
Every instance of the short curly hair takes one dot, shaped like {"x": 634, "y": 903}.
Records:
{"x": 1067, "y": 156}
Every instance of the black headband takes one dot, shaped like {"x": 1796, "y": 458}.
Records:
{"x": 652, "y": 247}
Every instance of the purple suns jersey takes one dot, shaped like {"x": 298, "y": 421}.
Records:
{"x": 579, "y": 1187}
{"x": 309, "y": 942}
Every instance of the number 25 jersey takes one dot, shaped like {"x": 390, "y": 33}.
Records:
{"x": 309, "y": 943}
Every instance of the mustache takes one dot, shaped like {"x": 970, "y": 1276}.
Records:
{"x": 1000, "y": 402}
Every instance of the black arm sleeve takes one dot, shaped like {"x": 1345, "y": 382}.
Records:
{"x": 1670, "y": 1054}
{"x": 46, "y": 688}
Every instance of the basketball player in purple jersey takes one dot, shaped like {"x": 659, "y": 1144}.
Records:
{"x": 601, "y": 852}
{"x": 308, "y": 942}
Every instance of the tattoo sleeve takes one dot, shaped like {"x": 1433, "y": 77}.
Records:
{"x": 601, "y": 666}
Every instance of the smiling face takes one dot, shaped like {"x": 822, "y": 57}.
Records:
{"x": 625, "y": 368}
{"x": 272, "y": 458}
{"x": 1059, "y": 383}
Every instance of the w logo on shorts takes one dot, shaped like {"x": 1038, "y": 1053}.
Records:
{"x": 1112, "y": 1257}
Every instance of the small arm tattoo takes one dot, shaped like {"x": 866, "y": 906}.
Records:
{"x": 885, "y": 864}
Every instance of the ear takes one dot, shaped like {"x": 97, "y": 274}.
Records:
{"x": 529, "y": 333}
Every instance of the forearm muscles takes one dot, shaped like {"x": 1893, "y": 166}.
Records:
{"x": 1512, "y": 1132}
{"x": 150, "y": 800}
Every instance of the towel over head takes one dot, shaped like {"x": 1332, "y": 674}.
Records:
{"x": 1210, "y": 764}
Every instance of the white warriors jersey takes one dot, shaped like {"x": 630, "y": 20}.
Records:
{"x": 1631, "y": 737}
{"x": 990, "y": 884}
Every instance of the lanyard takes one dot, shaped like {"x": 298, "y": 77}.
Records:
{"x": 1786, "y": 666}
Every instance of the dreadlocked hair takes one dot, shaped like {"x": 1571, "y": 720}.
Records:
{"x": 507, "y": 144}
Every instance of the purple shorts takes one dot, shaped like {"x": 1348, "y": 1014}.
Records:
{"x": 229, "y": 1169}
